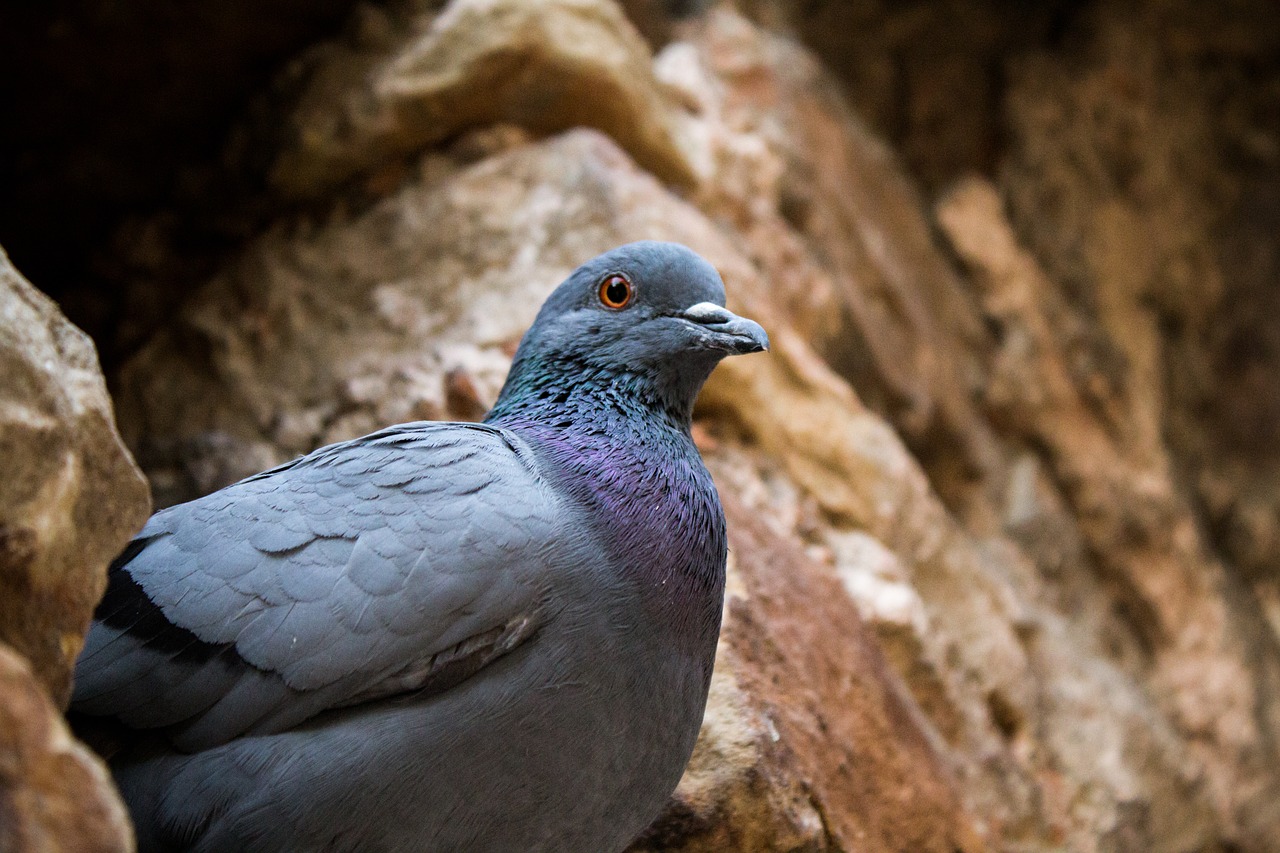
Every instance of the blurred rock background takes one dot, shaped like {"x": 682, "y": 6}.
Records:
{"x": 1004, "y": 501}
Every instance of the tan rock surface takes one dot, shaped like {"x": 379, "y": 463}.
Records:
{"x": 323, "y": 331}
{"x": 71, "y": 496}
{"x": 993, "y": 632}
{"x": 55, "y": 794}
{"x": 1204, "y": 664}
{"x": 1013, "y": 688}
{"x": 843, "y": 756}
{"x": 416, "y": 79}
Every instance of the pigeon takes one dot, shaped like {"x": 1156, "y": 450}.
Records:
{"x": 491, "y": 636}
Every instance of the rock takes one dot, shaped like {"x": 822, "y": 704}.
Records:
{"x": 810, "y": 740}
{"x": 322, "y": 331}
{"x": 547, "y": 65}
{"x": 975, "y": 460}
{"x": 1108, "y": 450}
{"x": 71, "y": 496}
{"x": 1007, "y": 683}
{"x": 55, "y": 795}
{"x": 1142, "y": 180}
{"x": 659, "y": 20}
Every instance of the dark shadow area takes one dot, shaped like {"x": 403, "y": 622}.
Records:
{"x": 110, "y": 110}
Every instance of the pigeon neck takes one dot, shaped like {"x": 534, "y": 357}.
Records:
{"x": 626, "y": 454}
{"x": 575, "y": 392}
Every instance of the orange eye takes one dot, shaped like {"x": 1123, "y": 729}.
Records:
{"x": 616, "y": 291}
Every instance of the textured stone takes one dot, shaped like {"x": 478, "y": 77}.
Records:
{"x": 412, "y": 81}
{"x": 1107, "y": 488}
{"x": 1011, "y": 686}
{"x": 1141, "y": 176}
{"x": 71, "y": 496}
{"x": 55, "y": 795}
{"x": 844, "y": 235}
{"x": 1200, "y": 637}
{"x": 811, "y": 741}
{"x": 924, "y": 76}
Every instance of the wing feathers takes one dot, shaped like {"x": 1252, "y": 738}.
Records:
{"x": 401, "y": 561}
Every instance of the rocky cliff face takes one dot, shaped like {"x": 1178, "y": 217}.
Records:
{"x": 69, "y": 501}
{"x": 1004, "y": 526}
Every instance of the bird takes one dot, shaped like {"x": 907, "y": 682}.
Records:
{"x": 490, "y": 636}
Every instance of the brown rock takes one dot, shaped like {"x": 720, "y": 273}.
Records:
{"x": 925, "y": 77}
{"x": 968, "y": 622}
{"x": 1111, "y": 492}
{"x": 828, "y": 210}
{"x": 659, "y": 20}
{"x": 1010, "y": 686}
{"x": 810, "y": 741}
{"x": 1213, "y": 677}
{"x": 1141, "y": 172}
{"x": 319, "y": 332}
{"x": 1141, "y": 176}
{"x": 71, "y": 496}
{"x": 55, "y": 795}
{"x": 547, "y": 65}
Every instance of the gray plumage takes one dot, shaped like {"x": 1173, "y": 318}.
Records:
{"x": 443, "y": 636}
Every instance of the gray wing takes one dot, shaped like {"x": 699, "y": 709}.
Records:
{"x": 405, "y": 560}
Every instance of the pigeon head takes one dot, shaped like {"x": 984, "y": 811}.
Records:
{"x": 647, "y": 316}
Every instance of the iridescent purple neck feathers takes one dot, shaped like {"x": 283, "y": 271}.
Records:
{"x": 625, "y": 454}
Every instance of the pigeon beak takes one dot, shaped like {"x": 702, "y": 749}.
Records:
{"x": 736, "y": 335}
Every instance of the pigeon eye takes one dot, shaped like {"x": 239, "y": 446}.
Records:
{"x": 616, "y": 291}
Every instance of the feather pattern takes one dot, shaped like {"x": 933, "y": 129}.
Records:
{"x": 305, "y": 610}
